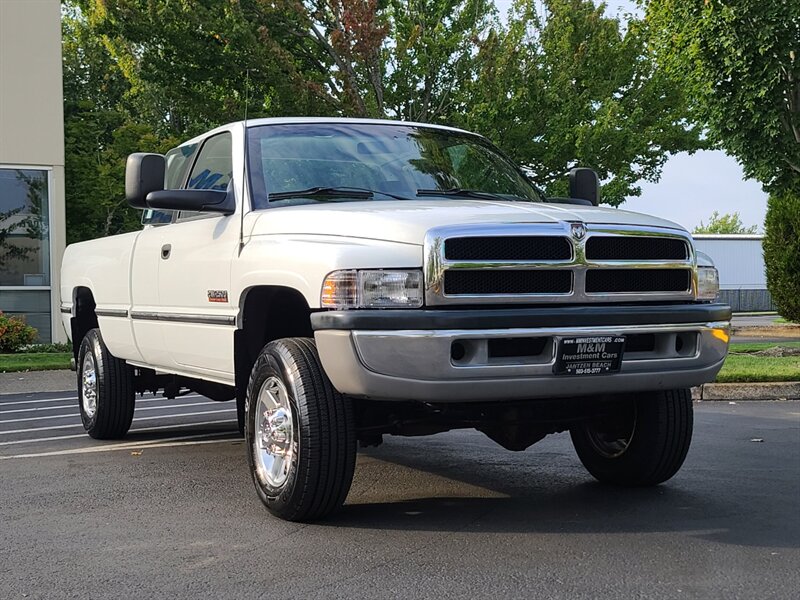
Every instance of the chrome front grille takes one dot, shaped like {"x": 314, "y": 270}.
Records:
{"x": 557, "y": 262}
{"x": 539, "y": 281}
{"x": 621, "y": 247}
{"x": 599, "y": 281}
{"x": 533, "y": 247}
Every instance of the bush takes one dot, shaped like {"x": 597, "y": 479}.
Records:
{"x": 782, "y": 253}
{"x": 14, "y": 334}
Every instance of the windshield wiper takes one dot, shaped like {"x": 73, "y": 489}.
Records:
{"x": 462, "y": 193}
{"x": 332, "y": 192}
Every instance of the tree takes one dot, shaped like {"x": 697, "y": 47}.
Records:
{"x": 369, "y": 58}
{"x": 782, "y": 252}
{"x": 431, "y": 56}
{"x": 727, "y": 223}
{"x": 99, "y": 133}
{"x": 574, "y": 87}
{"x": 739, "y": 61}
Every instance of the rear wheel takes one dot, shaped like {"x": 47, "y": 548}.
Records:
{"x": 300, "y": 433}
{"x": 643, "y": 444}
{"x": 105, "y": 389}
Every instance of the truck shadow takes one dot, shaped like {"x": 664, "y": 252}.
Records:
{"x": 551, "y": 493}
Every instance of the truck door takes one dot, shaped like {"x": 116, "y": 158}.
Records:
{"x": 197, "y": 316}
{"x": 145, "y": 296}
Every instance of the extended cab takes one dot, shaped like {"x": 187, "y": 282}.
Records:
{"x": 344, "y": 279}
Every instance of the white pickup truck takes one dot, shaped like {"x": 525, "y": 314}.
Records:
{"x": 343, "y": 279}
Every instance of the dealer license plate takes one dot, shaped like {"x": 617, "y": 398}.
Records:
{"x": 591, "y": 355}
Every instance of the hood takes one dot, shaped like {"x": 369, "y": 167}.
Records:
{"x": 407, "y": 221}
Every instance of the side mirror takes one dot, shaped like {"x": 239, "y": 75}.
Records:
{"x": 144, "y": 173}
{"x": 584, "y": 184}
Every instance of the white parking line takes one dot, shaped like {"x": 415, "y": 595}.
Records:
{"x": 16, "y": 402}
{"x": 189, "y": 440}
{"x": 138, "y": 401}
{"x": 77, "y": 414}
{"x": 191, "y": 414}
{"x": 85, "y": 436}
{"x": 42, "y": 400}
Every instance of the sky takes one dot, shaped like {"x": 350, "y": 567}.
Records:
{"x": 693, "y": 187}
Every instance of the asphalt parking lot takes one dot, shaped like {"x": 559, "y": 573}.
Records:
{"x": 170, "y": 512}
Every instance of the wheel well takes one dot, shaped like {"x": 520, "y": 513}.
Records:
{"x": 83, "y": 316}
{"x": 268, "y": 313}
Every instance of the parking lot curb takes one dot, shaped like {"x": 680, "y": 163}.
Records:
{"x": 789, "y": 390}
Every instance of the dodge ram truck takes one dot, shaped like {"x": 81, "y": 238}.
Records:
{"x": 346, "y": 279}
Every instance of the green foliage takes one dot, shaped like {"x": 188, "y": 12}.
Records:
{"x": 782, "y": 252}
{"x": 99, "y": 133}
{"x": 431, "y": 56}
{"x": 739, "y": 60}
{"x": 578, "y": 89}
{"x": 727, "y": 223}
{"x": 15, "y": 333}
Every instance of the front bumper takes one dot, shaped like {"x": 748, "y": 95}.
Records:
{"x": 408, "y": 354}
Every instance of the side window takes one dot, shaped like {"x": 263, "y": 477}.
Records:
{"x": 178, "y": 160}
{"x": 213, "y": 169}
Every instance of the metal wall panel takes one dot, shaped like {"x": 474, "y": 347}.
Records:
{"x": 739, "y": 259}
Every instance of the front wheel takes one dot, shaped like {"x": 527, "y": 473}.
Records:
{"x": 300, "y": 433}
{"x": 106, "y": 394}
{"x": 643, "y": 444}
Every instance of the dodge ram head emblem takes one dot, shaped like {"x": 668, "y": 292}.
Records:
{"x": 578, "y": 230}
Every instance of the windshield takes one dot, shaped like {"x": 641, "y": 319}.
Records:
{"x": 314, "y": 162}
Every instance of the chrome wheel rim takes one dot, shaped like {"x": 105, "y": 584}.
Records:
{"x": 89, "y": 385}
{"x": 273, "y": 439}
{"x": 611, "y": 439}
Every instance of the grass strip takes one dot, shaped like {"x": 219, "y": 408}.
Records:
{"x": 34, "y": 361}
{"x": 742, "y": 366}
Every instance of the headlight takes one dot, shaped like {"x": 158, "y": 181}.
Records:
{"x": 707, "y": 283}
{"x": 372, "y": 289}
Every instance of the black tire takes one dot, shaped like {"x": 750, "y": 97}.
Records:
{"x": 319, "y": 472}
{"x": 112, "y": 412}
{"x": 643, "y": 445}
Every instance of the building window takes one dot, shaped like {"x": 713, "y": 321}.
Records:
{"x": 25, "y": 246}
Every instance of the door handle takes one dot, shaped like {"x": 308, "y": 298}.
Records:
{"x": 166, "y": 249}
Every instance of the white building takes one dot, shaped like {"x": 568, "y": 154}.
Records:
{"x": 742, "y": 276}
{"x": 32, "y": 219}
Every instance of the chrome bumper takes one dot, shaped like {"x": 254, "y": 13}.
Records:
{"x": 420, "y": 364}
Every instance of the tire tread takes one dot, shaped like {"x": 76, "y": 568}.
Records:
{"x": 116, "y": 396}
{"x": 327, "y": 432}
{"x": 664, "y": 427}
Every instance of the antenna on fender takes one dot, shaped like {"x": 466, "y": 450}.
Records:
{"x": 245, "y": 155}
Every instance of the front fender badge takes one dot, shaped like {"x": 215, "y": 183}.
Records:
{"x": 217, "y": 295}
